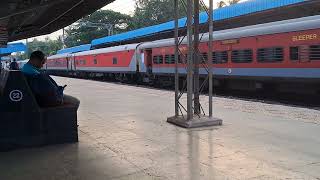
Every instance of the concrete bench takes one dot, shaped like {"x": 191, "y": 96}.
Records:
{"x": 24, "y": 124}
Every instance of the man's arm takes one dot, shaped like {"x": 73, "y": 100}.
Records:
{"x": 46, "y": 92}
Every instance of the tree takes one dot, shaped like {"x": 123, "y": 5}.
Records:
{"x": 151, "y": 12}
{"x": 221, "y": 4}
{"x": 94, "y": 26}
{"x": 48, "y": 47}
{"x": 233, "y": 1}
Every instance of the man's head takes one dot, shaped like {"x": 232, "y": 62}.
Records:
{"x": 37, "y": 59}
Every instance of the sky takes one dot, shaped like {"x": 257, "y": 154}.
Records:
{"x": 123, "y": 6}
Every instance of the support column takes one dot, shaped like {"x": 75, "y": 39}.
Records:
{"x": 210, "y": 56}
{"x": 176, "y": 56}
{"x": 27, "y": 50}
{"x": 196, "y": 58}
{"x": 62, "y": 39}
{"x": 190, "y": 60}
{"x": 192, "y": 68}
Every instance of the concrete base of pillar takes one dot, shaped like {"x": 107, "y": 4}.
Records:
{"x": 196, "y": 122}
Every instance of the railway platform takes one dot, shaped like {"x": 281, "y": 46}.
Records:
{"x": 123, "y": 134}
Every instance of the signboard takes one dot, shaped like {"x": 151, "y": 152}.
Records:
{"x": 16, "y": 95}
{"x": 305, "y": 37}
{"x": 230, "y": 41}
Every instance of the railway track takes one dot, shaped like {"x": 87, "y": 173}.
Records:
{"x": 298, "y": 100}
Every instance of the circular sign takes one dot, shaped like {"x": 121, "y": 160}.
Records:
{"x": 16, "y": 95}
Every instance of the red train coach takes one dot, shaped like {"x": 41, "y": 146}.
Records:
{"x": 282, "y": 56}
{"x": 116, "y": 61}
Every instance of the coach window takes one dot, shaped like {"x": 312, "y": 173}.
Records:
{"x": 294, "y": 53}
{"x": 160, "y": 59}
{"x": 167, "y": 59}
{"x": 314, "y": 52}
{"x": 183, "y": 58}
{"x": 155, "y": 59}
{"x": 173, "y": 59}
{"x": 95, "y": 61}
{"x": 114, "y": 60}
{"x": 274, "y": 54}
{"x": 82, "y": 62}
{"x": 180, "y": 58}
{"x": 241, "y": 56}
{"x": 203, "y": 57}
{"x": 220, "y": 57}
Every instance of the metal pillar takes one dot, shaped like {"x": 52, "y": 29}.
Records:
{"x": 190, "y": 60}
{"x": 210, "y": 74}
{"x": 63, "y": 39}
{"x": 192, "y": 68}
{"x": 176, "y": 56}
{"x": 196, "y": 59}
{"x": 27, "y": 49}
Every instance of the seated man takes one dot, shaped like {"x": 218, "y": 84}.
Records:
{"x": 44, "y": 88}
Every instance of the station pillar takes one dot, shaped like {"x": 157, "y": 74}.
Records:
{"x": 195, "y": 115}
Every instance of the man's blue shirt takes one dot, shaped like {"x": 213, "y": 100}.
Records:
{"x": 30, "y": 70}
{"x": 44, "y": 88}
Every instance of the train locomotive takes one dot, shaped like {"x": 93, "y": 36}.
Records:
{"x": 282, "y": 56}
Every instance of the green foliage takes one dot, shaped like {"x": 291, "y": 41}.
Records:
{"x": 221, "y": 4}
{"x": 95, "y": 26}
{"x": 233, "y": 1}
{"x": 48, "y": 47}
{"x": 151, "y": 12}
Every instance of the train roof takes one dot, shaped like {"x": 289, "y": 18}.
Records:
{"x": 59, "y": 56}
{"x": 306, "y": 23}
{"x": 84, "y": 47}
{"x": 239, "y": 9}
{"x": 109, "y": 49}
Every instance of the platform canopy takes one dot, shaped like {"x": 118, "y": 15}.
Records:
{"x": 21, "y": 19}
{"x": 242, "y": 14}
{"x": 11, "y": 48}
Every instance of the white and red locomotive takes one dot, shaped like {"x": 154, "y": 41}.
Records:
{"x": 279, "y": 56}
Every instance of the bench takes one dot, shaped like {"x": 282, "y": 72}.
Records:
{"x": 24, "y": 124}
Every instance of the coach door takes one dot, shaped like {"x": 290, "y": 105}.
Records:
{"x": 71, "y": 63}
{"x": 68, "y": 63}
{"x": 149, "y": 60}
